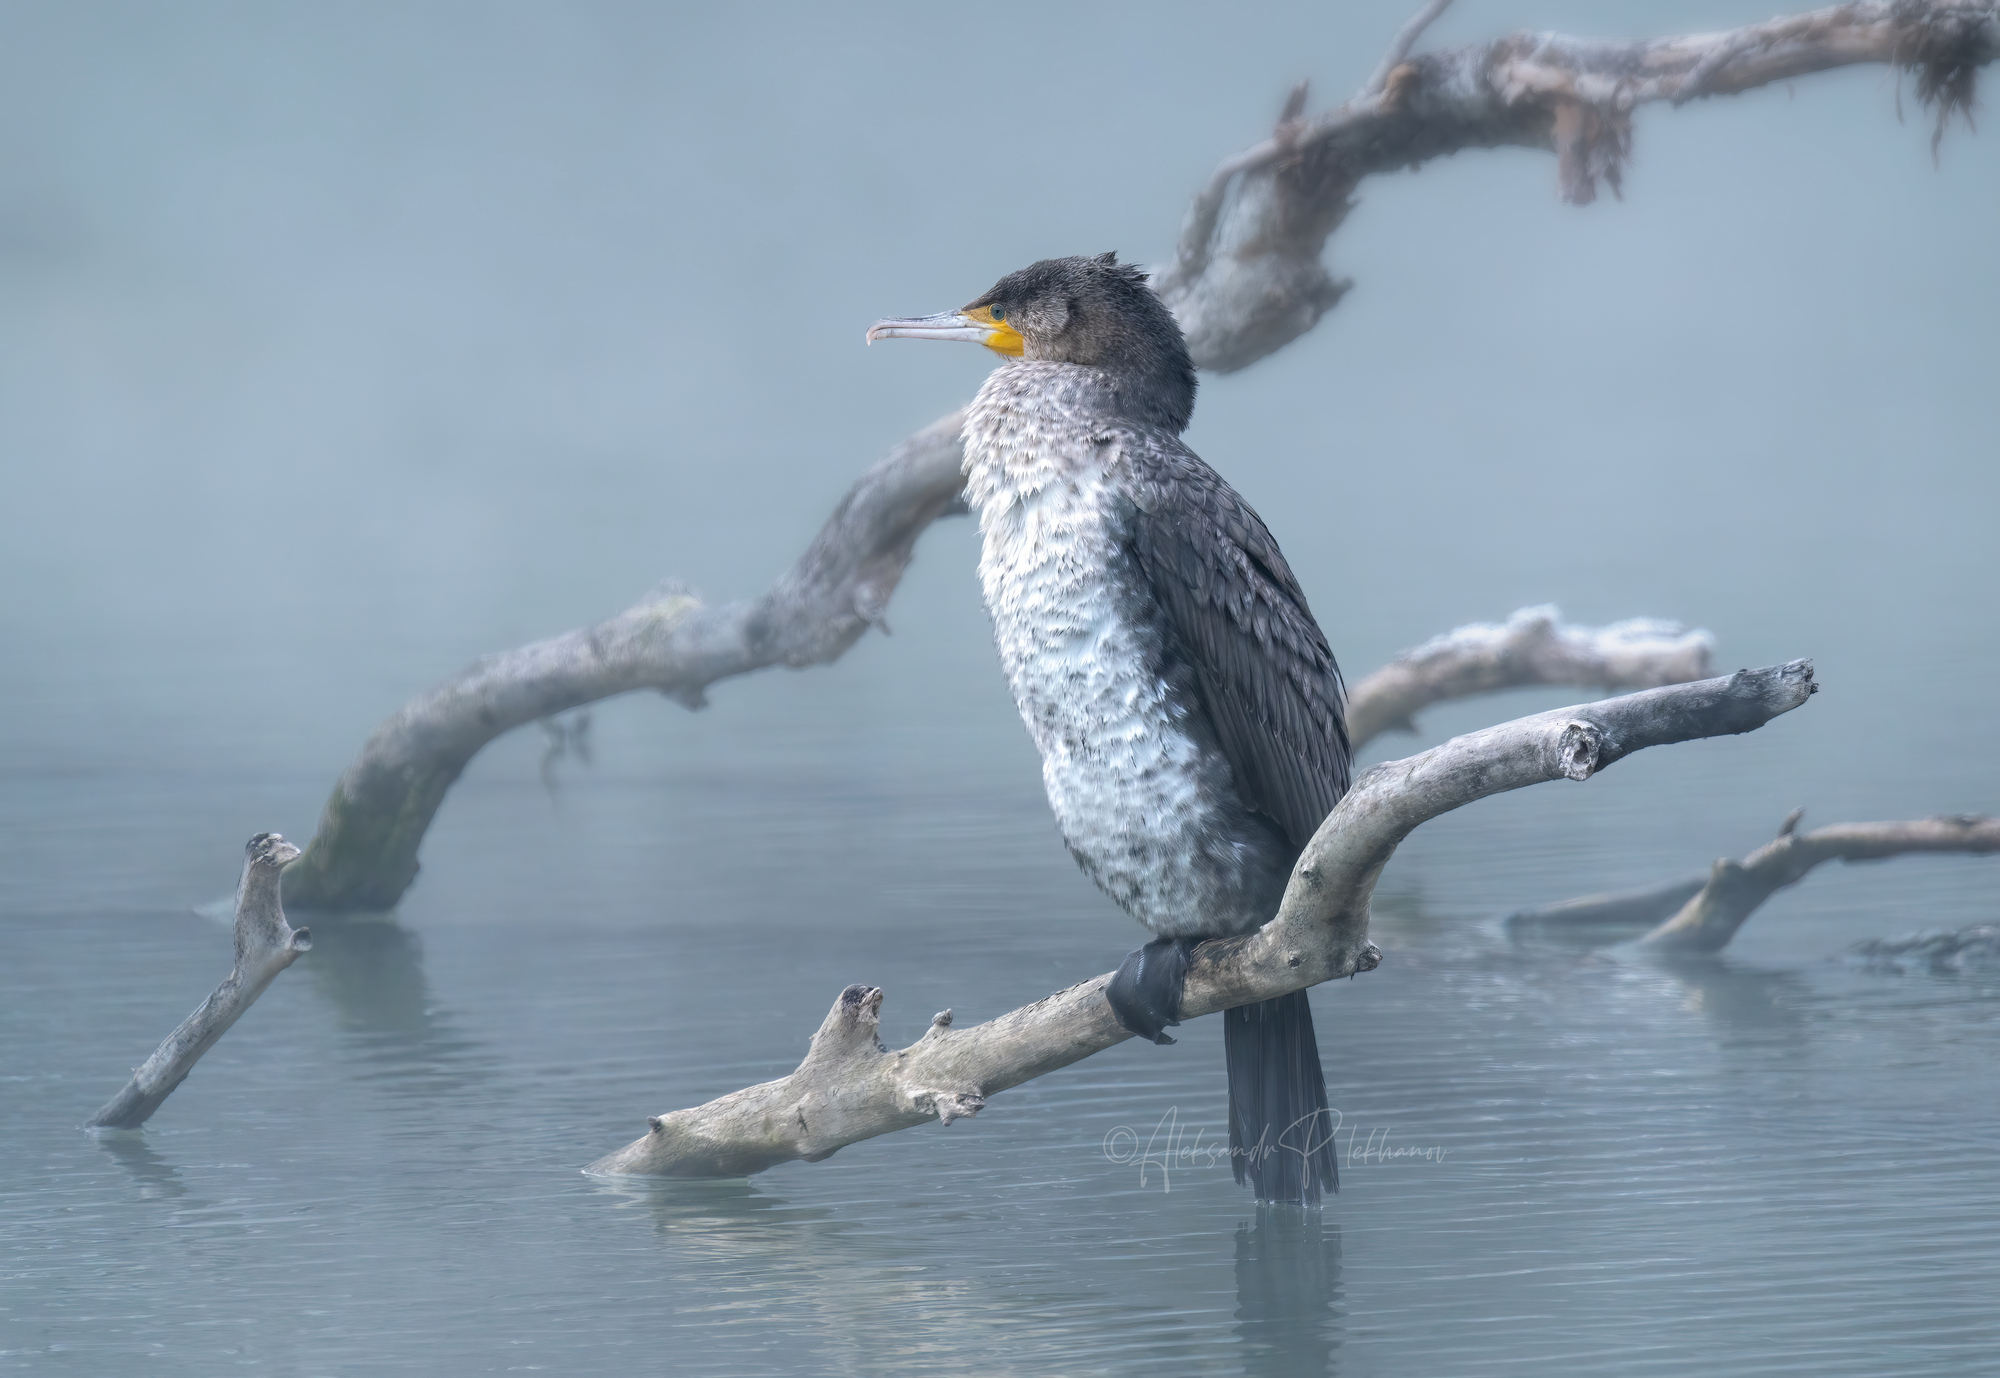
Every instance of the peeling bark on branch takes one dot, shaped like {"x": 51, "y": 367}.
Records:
{"x": 1700, "y": 914}
{"x": 851, "y": 1088}
{"x": 265, "y": 946}
{"x": 1246, "y": 278}
{"x": 1531, "y": 647}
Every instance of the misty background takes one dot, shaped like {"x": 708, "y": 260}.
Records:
{"x": 340, "y": 345}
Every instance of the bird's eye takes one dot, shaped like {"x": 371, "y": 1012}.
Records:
{"x": 999, "y": 312}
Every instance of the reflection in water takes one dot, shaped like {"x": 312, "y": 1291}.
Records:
{"x": 831, "y": 1285}
{"x": 835, "y": 1281}
{"x": 1740, "y": 1000}
{"x": 370, "y": 968}
{"x": 713, "y": 1210}
{"x": 158, "y": 1179}
{"x": 1287, "y": 1290}
{"x": 560, "y": 740}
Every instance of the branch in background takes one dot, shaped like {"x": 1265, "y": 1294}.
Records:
{"x": 265, "y": 946}
{"x": 1974, "y": 948}
{"x": 1597, "y": 920}
{"x": 1399, "y": 48}
{"x": 364, "y": 855}
{"x": 1530, "y": 647}
{"x": 1246, "y": 278}
{"x": 1701, "y": 914}
{"x": 851, "y": 1088}
{"x": 1734, "y": 889}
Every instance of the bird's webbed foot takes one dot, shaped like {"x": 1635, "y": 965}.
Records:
{"x": 1145, "y": 992}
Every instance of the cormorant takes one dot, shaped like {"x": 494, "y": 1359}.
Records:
{"x": 1187, "y": 708}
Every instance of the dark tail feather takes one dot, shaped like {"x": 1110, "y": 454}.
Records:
{"x": 1280, "y": 1129}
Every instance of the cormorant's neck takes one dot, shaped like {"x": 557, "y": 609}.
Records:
{"x": 1157, "y": 384}
{"x": 1155, "y": 396}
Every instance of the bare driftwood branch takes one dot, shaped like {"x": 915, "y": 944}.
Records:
{"x": 265, "y": 946}
{"x": 851, "y": 1088}
{"x": 1246, "y": 279}
{"x": 1734, "y": 889}
{"x": 1617, "y": 917}
{"x": 1531, "y": 647}
{"x": 1702, "y": 913}
{"x": 365, "y": 853}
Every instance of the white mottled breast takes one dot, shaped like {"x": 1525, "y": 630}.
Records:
{"x": 1143, "y": 807}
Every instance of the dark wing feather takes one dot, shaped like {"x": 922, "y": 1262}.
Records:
{"x": 1234, "y": 612}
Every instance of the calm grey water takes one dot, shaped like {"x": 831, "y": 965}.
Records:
{"x": 338, "y": 346}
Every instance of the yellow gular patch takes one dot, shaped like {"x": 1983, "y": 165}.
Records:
{"x": 1005, "y": 339}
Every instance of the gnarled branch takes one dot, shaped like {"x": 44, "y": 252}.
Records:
{"x": 364, "y": 855}
{"x": 1533, "y": 646}
{"x": 1735, "y": 889}
{"x": 851, "y": 1088}
{"x": 265, "y": 946}
{"x": 1246, "y": 279}
{"x": 1702, "y": 913}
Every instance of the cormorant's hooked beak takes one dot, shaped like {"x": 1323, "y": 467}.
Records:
{"x": 975, "y": 326}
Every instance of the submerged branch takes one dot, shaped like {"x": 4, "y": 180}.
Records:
{"x": 1702, "y": 913}
{"x": 1613, "y": 918}
{"x": 265, "y": 946}
{"x": 1735, "y": 889}
{"x": 850, "y": 1088}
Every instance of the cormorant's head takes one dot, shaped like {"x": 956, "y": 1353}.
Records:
{"x": 1097, "y": 312}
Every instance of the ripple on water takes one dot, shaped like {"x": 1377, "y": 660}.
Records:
{"x": 1552, "y": 1161}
